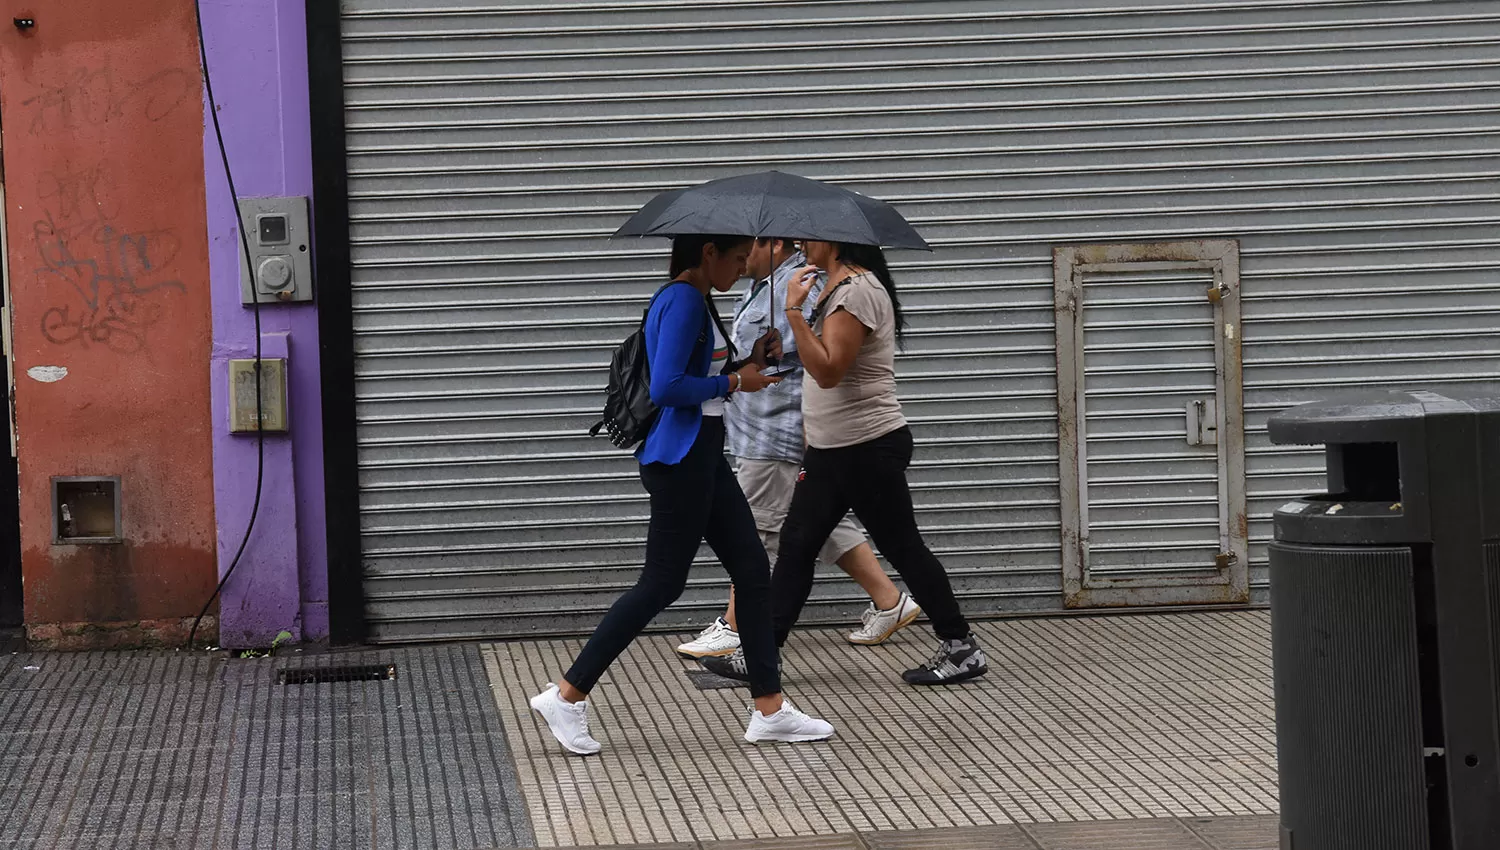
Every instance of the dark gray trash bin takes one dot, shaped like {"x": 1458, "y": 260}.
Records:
{"x": 1385, "y": 620}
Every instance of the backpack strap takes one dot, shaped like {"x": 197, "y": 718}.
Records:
{"x": 702, "y": 334}
{"x": 645, "y": 314}
{"x": 713, "y": 311}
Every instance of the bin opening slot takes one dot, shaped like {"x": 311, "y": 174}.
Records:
{"x": 1365, "y": 472}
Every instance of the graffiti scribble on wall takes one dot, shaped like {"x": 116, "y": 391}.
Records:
{"x": 116, "y": 277}
{"x": 92, "y": 97}
{"x": 107, "y": 275}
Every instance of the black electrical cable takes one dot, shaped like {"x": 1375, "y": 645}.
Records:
{"x": 260, "y": 433}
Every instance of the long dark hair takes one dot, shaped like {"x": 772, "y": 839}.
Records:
{"x": 872, "y": 258}
{"x": 687, "y": 250}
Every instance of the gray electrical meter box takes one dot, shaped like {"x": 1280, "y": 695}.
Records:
{"x": 280, "y": 239}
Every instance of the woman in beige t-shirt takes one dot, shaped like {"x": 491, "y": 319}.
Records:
{"x": 858, "y": 449}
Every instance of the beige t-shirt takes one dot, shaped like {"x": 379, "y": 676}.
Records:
{"x": 863, "y": 406}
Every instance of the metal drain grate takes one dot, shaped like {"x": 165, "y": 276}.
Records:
{"x": 349, "y": 673}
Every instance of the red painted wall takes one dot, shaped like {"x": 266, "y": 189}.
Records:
{"x": 101, "y": 109}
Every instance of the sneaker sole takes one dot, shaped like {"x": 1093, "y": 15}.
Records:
{"x": 900, "y": 624}
{"x": 972, "y": 674}
{"x": 717, "y": 653}
{"x": 569, "y": 747}
{"x": 789, "y": 739}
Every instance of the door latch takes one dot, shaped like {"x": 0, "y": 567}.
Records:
{"x": 1203, "y": 422}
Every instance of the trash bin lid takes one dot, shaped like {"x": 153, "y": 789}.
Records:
{"x": 1376, "y": 416}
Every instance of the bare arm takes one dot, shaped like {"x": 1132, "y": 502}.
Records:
{"x": 827, "y": 358}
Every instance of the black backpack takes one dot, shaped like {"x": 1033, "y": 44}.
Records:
{"x": 629, "y": 411}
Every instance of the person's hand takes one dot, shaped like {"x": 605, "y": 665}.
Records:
{"x": 751, "y": 380}
{"x": 767, "y": 348}
{"x": 801, "y": 283}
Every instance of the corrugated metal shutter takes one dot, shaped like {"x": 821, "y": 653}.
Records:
{"x": 1349, "y": 146}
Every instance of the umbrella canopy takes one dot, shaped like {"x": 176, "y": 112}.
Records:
{"x": 772, "y": 203}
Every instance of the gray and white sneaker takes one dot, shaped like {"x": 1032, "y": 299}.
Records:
{"x": 568, "y": 721}
{"x": 788, "y": 726}
{"x": 955, "y": 661}
{"x": 717, "y": 639}
{"x": 731, "y": 666}
{"x": 879, "y": 625}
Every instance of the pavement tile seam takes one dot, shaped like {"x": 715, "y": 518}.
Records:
{"x": 1256, "y": 832}
{"x": 1158, "y": 834}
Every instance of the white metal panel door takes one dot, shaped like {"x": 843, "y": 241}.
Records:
{"x": 1149, "y": 401}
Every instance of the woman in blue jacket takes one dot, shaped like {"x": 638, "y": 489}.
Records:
{"x": 694, "y": 498}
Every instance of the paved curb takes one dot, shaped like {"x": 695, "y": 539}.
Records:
{"x": 1254, "y": 832}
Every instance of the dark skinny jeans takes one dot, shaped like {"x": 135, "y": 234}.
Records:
{"x": 870, "y": 478}
{"x": 695, "y": 500}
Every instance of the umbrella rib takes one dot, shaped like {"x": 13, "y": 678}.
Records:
{"x": 870, "y": 224}
{"x": 760, "y": 211}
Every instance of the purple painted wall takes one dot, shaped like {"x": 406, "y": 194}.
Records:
{"x": 257, "y": 54}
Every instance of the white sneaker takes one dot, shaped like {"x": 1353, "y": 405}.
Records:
{"x": 880, "y": 625}
{"x": 569, "y": 721}
{"x": 716, "y": 640}
{"x": 787, "y": 725}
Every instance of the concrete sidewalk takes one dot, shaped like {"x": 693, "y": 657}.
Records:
{"x": 1150, "y": 731}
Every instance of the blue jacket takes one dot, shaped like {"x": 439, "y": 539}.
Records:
{"x": 677, "y": 320}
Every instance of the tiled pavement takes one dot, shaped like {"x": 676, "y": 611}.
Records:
{"x": 1083, "y": 724}
{"x": 161, "y": 750}
{"x": 1082, "y": 720}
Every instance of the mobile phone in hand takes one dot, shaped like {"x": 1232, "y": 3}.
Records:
{"x": 780, "y": 369}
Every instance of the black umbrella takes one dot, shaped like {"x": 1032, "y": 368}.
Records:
{"x": 772, "y": 203}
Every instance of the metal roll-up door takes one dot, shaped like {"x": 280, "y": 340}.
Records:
{"x": 1348, "y": 146}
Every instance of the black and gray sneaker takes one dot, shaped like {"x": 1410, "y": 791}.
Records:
{"x": 731, "y": 666}
{"x": 955, "y": 661}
